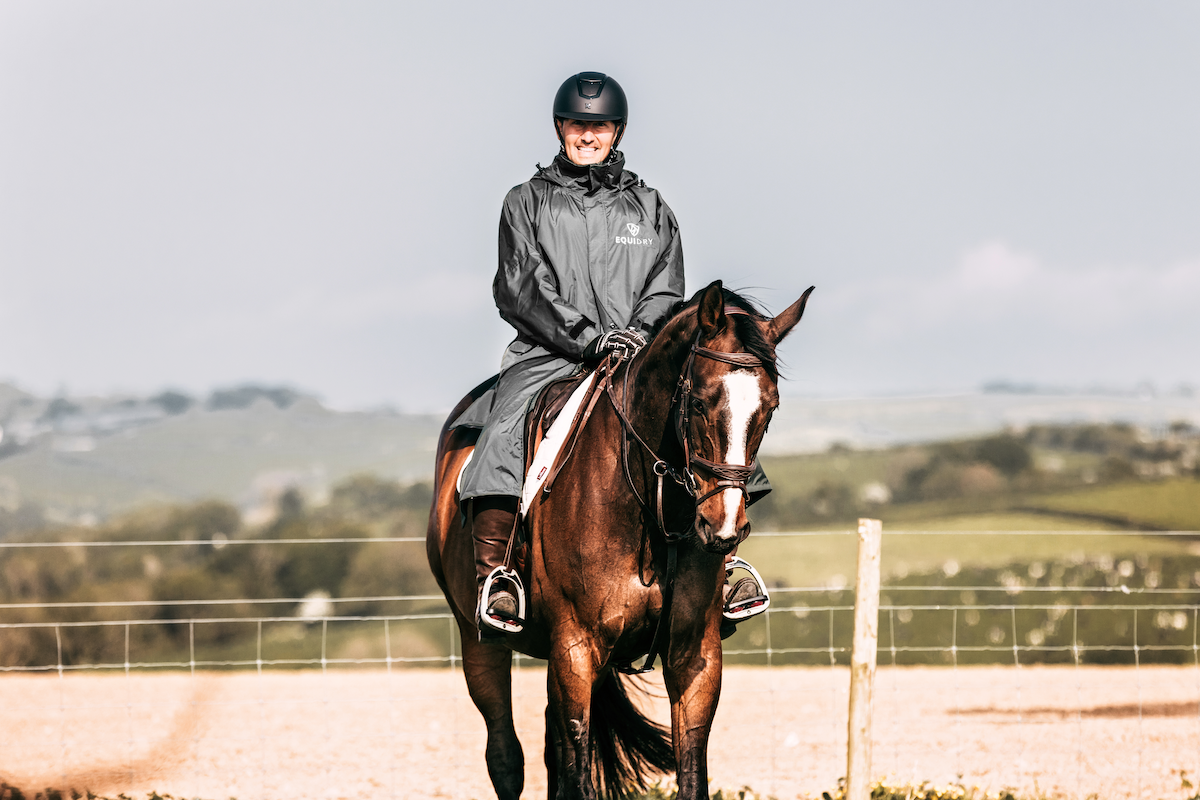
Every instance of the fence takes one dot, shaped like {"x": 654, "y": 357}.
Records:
{"x": 1078, "y": 675}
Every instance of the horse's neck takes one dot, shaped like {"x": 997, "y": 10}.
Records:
{"x": 655, "y": 374}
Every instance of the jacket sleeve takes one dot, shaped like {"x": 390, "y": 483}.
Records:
{"x": 526, "y": 287}
{"x": 665, "y": 285}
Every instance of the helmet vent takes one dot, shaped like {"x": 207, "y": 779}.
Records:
{"x": 590, "y": 88}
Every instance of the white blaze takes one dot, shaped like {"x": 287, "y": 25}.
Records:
{"x": 743, "y": 396}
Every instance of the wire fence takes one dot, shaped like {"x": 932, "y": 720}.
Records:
{"x": 1065, "y": 680}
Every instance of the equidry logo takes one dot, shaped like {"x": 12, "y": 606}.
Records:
{"x": 632, "y": 238}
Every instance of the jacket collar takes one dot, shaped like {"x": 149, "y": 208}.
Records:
{"x": 611, "y": 174}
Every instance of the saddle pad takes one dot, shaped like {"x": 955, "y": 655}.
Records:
{"x": 548, "y": 448}
{"x": 462, "y": 471}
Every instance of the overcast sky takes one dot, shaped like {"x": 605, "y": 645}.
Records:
{"x": 196, "y": 194}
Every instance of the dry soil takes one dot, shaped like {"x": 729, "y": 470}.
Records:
{"x": 1113, "y": 732}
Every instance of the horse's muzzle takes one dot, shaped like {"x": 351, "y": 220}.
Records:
{"x": 706, "y": 534}
{"x": 721, "y": 547}
{"x": 723, "y": 536}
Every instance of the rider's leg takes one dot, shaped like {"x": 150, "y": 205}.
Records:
{"x": 493, "y": 518}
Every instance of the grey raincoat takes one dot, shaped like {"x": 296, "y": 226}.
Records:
{"x": 582, "y": 250}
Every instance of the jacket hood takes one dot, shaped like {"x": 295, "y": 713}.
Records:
{"x": 610, "y": 174}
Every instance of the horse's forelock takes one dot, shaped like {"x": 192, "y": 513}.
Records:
{"x": 748, "y": 327}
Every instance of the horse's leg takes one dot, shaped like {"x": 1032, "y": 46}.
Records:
{"x": 693, "y": 684}
{"x": 570, "y": 676}
{"x": 488, "y": 670}
{"x": 692, "y": 670}
{"x": 551, "y": 756}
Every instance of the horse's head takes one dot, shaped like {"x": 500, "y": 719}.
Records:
{"x": 727, "y": 395}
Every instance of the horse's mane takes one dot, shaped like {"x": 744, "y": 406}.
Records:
{"x": 746, "y": 326}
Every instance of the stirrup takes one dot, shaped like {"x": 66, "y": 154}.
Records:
{"x": 499, "y": 621}
{"x": 750, "y": 607}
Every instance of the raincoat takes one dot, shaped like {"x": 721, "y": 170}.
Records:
{"x": 582, "y": 250}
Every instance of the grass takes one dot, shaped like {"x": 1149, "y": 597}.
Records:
{"x": 1077, "y": 522}
{"x": 1172, "y": 504}
{"x": 831, "y": 558}
{"x": 880, "y": 790}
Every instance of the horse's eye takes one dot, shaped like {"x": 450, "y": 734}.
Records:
{"x": 697, "y": 406}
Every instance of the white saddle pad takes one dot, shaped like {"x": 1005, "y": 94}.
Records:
{"x": 463, "y": 471}
{"x": 548, "y": 450}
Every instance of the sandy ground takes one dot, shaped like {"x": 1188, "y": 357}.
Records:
{"x": 1115, "y": 732}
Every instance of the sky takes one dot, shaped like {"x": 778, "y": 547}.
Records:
{"x": 201, "y": 194}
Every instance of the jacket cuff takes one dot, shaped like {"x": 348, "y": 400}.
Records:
{"x": 579, "y": 327}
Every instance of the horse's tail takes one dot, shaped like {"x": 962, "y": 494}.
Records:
{"x": 626, "y": 746}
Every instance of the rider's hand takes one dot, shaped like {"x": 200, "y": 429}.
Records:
{"x": 623, "y": 342}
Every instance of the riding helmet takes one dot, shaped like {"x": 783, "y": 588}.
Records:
{"x": 591, "y": 95}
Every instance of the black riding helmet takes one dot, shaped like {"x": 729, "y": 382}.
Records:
{"x": 592, "y": 95}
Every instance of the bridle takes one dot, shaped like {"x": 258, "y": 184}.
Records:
{"x": 727, "y": 476}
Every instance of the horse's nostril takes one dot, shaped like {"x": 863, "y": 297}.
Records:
{"x": 744, "y": 528}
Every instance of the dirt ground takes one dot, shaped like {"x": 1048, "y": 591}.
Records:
{"x": 1113, "y": 732}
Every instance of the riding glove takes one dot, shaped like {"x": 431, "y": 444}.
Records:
{"x": 625, "y": 343}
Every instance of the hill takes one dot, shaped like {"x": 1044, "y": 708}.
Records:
{"x": 83, "y": 460}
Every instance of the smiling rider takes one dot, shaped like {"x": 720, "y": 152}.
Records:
{"x": 590, "y": 261}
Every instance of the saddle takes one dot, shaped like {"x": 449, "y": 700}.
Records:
{"x": 547, "y": 404}
{"x": 550, "y": 440}
{"x": 543, "y": 412}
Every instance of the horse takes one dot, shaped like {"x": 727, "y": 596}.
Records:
{"x": 625, "y": 557}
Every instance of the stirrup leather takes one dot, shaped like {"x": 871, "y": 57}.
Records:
{"x": 498, "y": 621}
{"x": 753, "y": 606}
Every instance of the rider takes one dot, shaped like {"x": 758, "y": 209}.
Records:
{"x": 590, "y": 260}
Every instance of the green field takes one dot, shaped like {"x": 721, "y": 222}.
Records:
{"x": 830, "y": 559}
{"x": 1172, "y": 504}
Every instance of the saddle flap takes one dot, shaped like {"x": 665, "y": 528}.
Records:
{"x": 548, "y": 427}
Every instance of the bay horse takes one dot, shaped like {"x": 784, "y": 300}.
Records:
{"x": 600, "y": 562}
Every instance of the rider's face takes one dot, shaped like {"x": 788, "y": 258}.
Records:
{"x": 587, "y": 141}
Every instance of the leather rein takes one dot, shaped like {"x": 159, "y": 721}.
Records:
{"x": 728, "y": 476}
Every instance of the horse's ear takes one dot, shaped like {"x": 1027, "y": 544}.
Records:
{"x": 782, "y": 325}
{"x": 711, "y": 314}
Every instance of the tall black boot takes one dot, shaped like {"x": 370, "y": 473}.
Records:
{"x": 492, "y": 521}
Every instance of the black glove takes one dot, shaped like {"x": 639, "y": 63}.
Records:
{"x": 625, "y": 343}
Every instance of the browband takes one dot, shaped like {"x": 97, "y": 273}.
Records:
{"x": 736, "y": 359}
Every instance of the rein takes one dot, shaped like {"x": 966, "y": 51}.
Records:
{"x": 728, "y": 476}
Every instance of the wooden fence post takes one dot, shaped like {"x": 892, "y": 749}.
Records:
{"x": 862, "y": 660}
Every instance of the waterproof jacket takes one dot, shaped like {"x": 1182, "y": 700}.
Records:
{"x": 582, "y": 250}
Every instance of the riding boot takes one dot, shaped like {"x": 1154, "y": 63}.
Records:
{"x": 745, "y": 598}
{"x": 492, "y": 521}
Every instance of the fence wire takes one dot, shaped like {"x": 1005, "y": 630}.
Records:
{"x": 1003, "y": 693}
